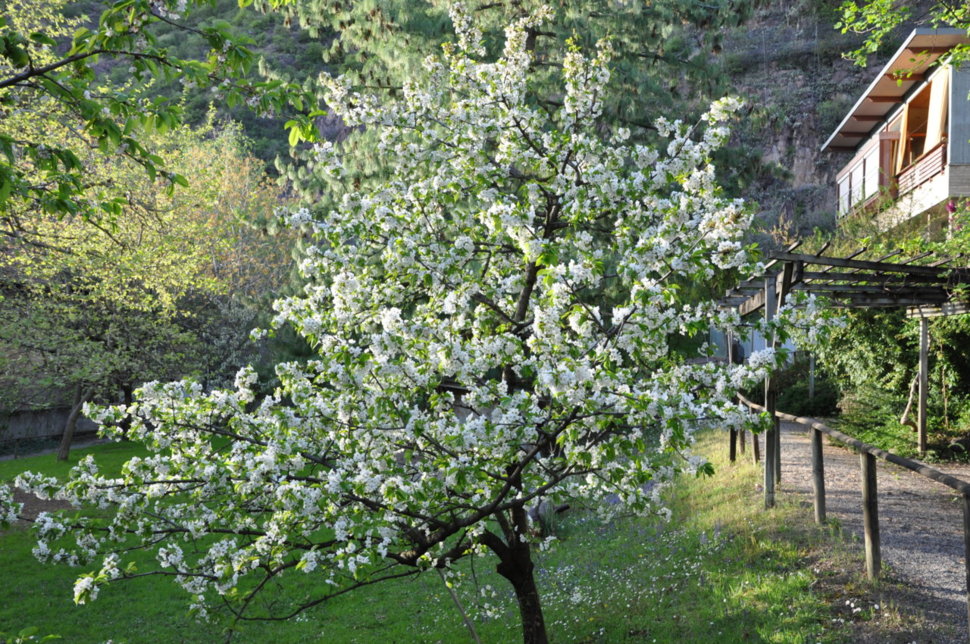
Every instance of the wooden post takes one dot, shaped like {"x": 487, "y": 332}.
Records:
{"x": 732, "y": 359}
{"x": 924, "y": 370}
{"x": 966, "y": 545}
{"x": 777, "y": 432}
{"x": 783, "y": 285}
{"x": 818, "y": 476}
{"x": 870, "y": 515}
{"x": 755, "y": 448}
{"x": 770, "y": 465}
{"x": 733, "y": 449}
{"x": 770, "y": 441}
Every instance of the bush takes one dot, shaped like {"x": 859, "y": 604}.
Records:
{"x": 792, "y": 386}
{"x": 794, "y": 399}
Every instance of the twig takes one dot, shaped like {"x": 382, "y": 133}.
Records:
{"x": 464, "y": 616}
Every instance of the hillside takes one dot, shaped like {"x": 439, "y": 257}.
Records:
{"x": 787, "y": 63}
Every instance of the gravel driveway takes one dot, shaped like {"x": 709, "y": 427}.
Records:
{"x": 920, "y": 523}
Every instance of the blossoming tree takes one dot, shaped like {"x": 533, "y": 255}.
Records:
{"x": 493, "y": 320}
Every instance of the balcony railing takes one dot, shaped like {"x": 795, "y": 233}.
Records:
{"x": 923, "y": 169}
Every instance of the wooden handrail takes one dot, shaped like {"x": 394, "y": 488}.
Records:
{"x": 920, "y": 468}
{"x": 925, "y": 167}
{"x": 870, "y": 497}
{"x": 925, "y": 154}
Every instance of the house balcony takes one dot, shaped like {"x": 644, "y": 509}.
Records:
{"x": 923, "y": 189}
{"x": 926, "y": 167}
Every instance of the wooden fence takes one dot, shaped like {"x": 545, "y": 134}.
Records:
{"x": 870, "y": 505}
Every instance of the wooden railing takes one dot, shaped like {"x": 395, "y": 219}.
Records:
{"x": 870, "y": 506}
{"x": 929, "y": 165}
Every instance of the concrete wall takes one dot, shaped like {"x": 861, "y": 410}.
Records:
{"x": 48, "y": 423}
{"x": 960, "y": 181}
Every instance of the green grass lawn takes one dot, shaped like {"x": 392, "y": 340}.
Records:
{"x": 723, "y": 570}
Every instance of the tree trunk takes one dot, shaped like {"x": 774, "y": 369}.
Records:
{"x": 128, "y": 393}
{"x": 515, "y": 564}
{"x": 68, "y": 436}
{"x": 518, "y": 571}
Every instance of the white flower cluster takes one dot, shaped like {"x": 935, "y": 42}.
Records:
{"x": 168, "y": 9}
{"x": 9, "y": 511}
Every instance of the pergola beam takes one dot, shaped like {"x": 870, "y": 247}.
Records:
{"x": 878, "y": 277}
{"x": 925, "y": 290}
{"x": 863, "y": 264}
{"x": 876, "y": 289}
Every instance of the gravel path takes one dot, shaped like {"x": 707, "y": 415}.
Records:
{"x": 920, "y": 523}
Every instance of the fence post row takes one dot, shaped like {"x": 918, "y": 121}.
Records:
{"x": 867, "y": 459}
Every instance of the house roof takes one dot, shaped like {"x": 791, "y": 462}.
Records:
{"x": 904, "y": 71}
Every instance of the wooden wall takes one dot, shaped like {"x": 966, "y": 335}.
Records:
{"x": 959, "y": 135}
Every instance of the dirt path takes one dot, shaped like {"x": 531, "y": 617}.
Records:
{"x": 920, "y": 523}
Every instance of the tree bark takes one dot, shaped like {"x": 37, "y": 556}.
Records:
{"x": 128, "y": 393}
{"x": 70, "y": 425}
{"x": 515, "y": 564}
{"x": 518, "y": 569}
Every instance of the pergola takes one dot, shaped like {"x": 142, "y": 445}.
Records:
{"x": 925, "y": 285}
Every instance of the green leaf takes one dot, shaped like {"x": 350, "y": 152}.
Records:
{"x": 6, "y": 187}
{"x": 16, "y": 54}
{"x": 42, "y": 39}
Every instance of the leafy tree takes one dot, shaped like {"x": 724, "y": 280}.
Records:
{"x": 493, "y": 326}
{"x": 880, "y": 19}
{"x": 49, "y": 82}
{"x": 98, "y": 308}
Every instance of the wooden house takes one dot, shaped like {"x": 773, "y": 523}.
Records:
{"x": 910, "y": 135}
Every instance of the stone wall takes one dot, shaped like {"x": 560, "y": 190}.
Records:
{"x": 39, "y": 425}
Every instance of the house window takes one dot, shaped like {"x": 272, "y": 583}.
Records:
{"x": 856, "y": 177}
{"x": 860, "y": 181}
{"x": 924, "y": 121}
{"x": 871, "y": 173}
{"x": 844, "y": 201}
{"x": 917, "y": 117}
